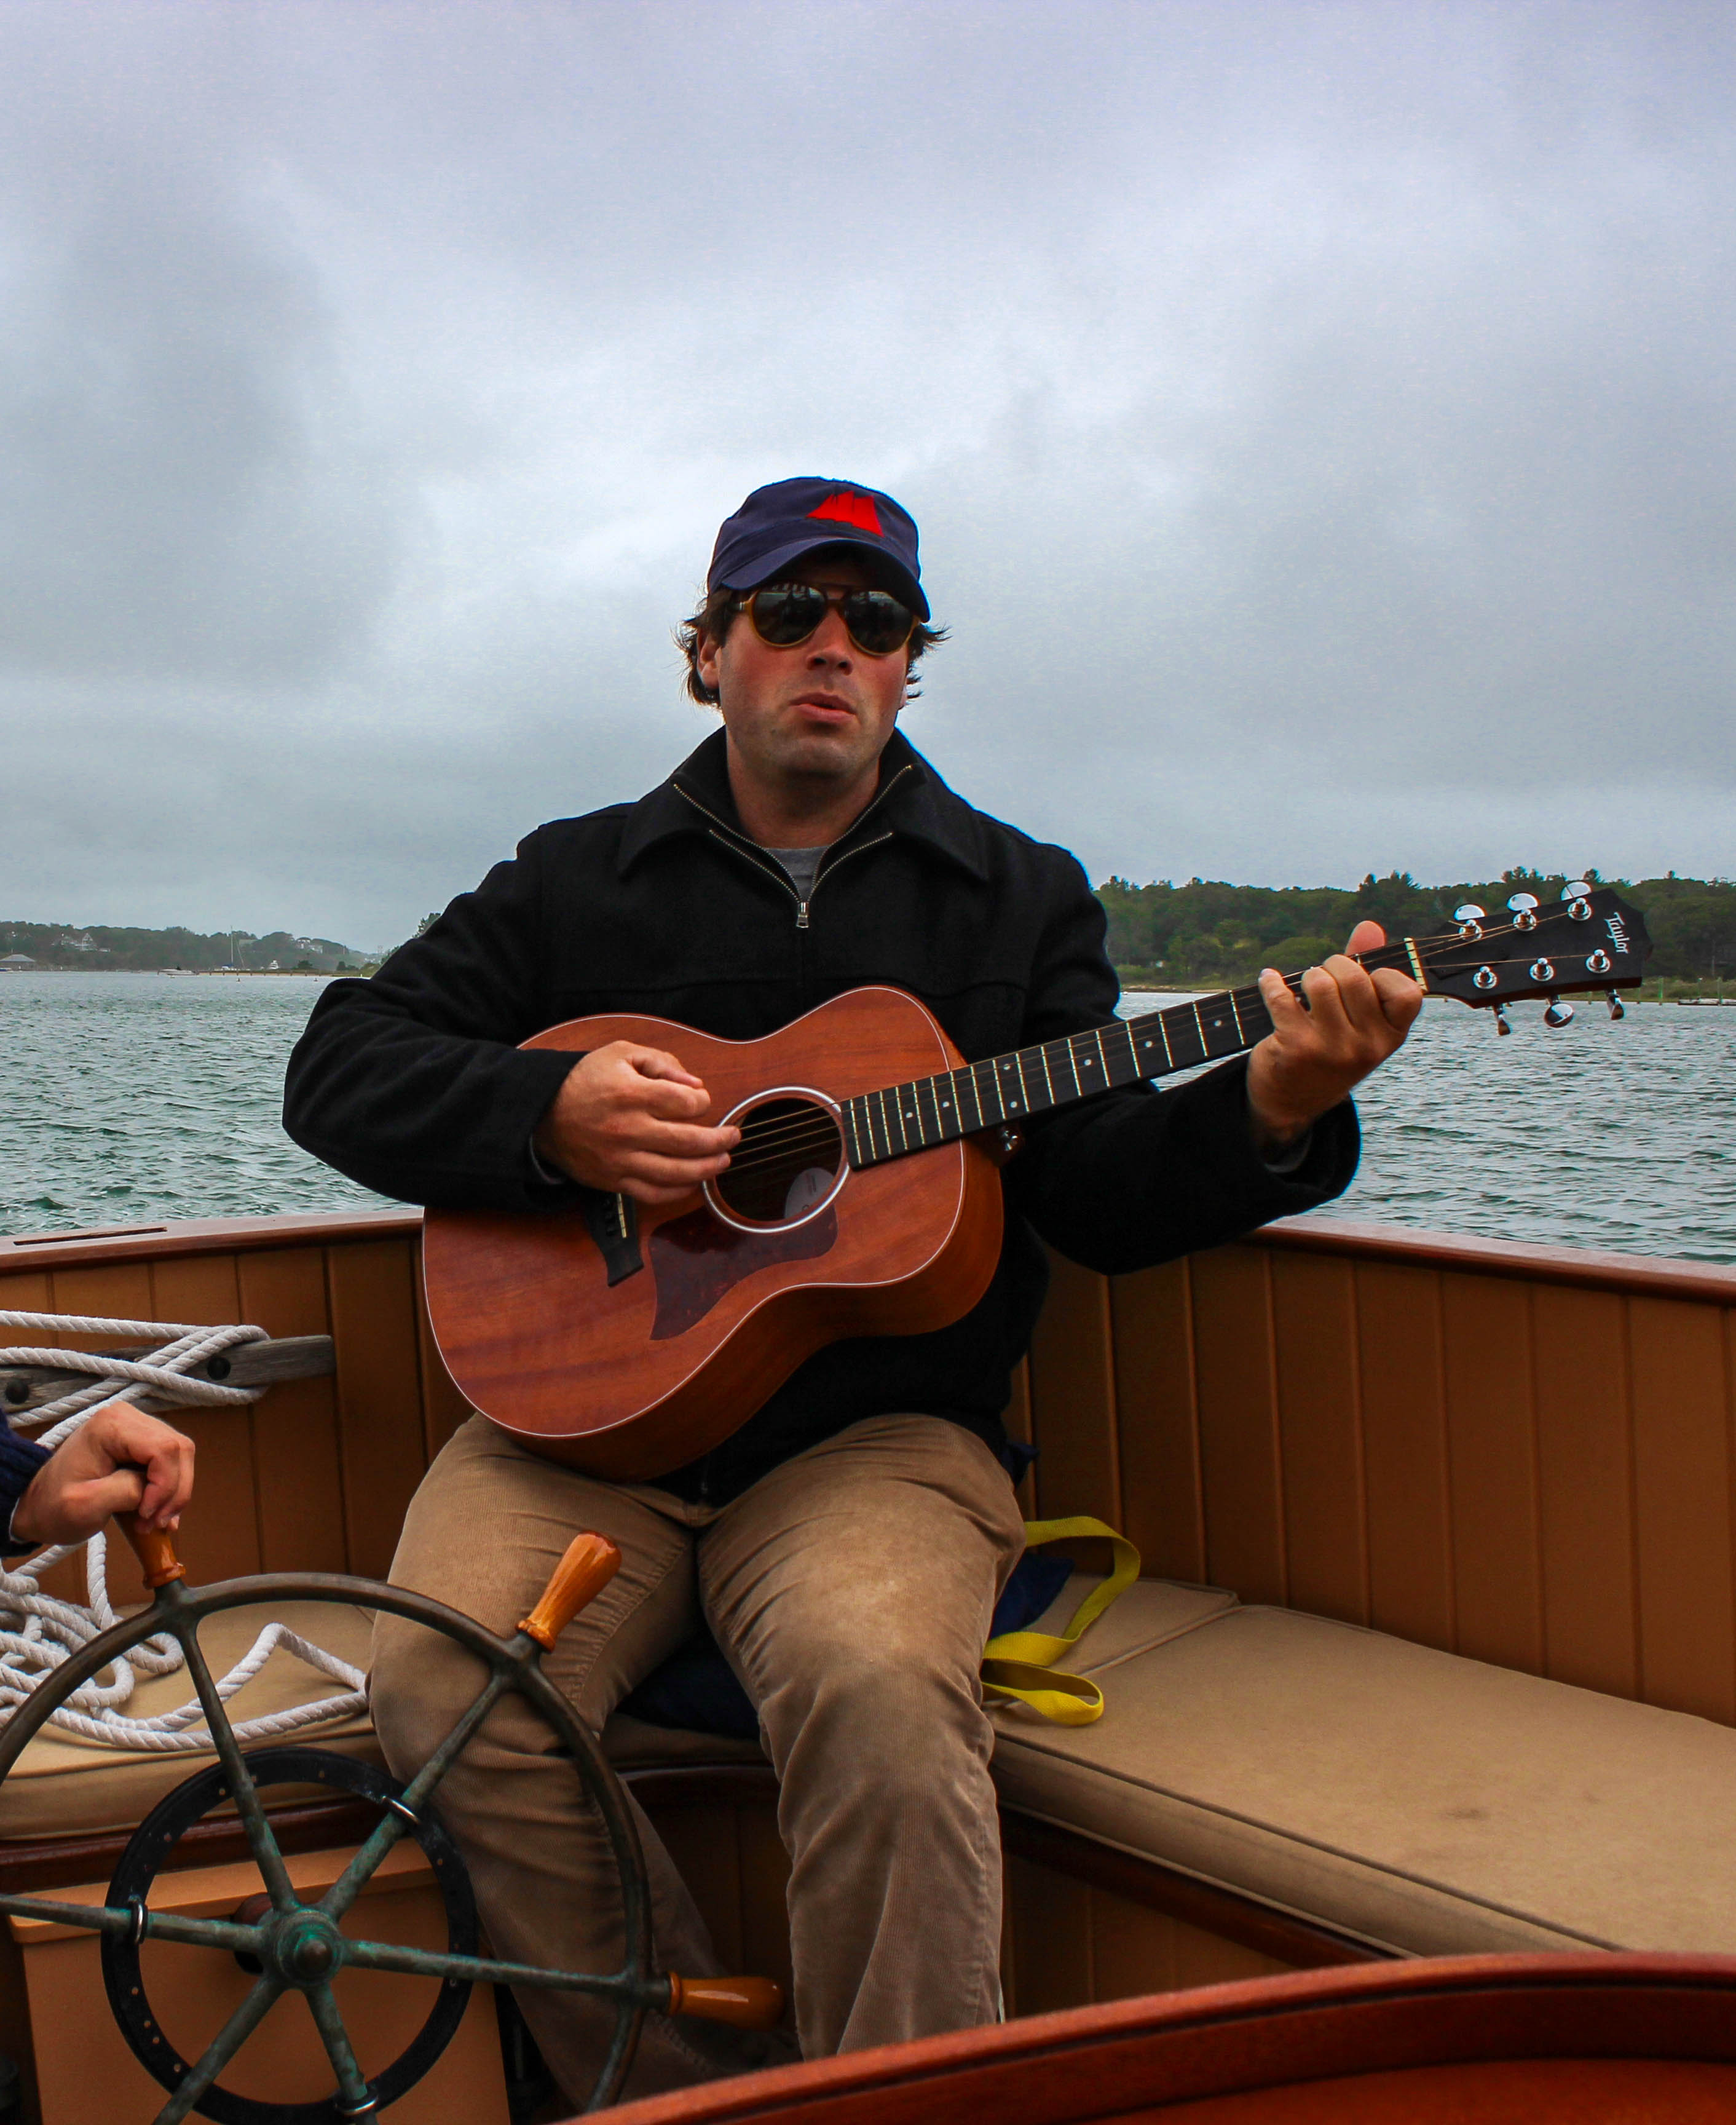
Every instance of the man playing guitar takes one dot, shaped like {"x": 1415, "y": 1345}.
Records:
{"x": 847, "y": 1545}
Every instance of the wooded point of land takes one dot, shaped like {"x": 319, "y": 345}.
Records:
{"x": 1205, "y": 934}
{"x": 100, "y": 948}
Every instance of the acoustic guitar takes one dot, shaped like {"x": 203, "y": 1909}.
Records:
{"x": 864, "y": 1196}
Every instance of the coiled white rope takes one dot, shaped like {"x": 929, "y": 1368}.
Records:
{"x": 38, "y": 1633}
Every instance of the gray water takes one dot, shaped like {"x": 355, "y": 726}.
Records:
{"x": 126, "y": 1098}
{"x": 1603, "y": 1133}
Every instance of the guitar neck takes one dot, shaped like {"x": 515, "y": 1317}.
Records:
{"x": 916, "y": 1116}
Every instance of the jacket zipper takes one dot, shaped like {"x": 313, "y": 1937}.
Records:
{"x": 861, "y": 848}
{"x": 751, "y": 852}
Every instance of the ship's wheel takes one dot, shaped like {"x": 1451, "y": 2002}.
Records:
{"x": 290, "y": 1945}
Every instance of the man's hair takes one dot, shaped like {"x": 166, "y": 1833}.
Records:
{"x": 715, "y": 617}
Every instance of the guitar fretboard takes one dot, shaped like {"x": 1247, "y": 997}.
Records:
{"x": 901, "y": 1119}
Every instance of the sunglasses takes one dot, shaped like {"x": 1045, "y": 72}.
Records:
{"x": 785, "y": 614}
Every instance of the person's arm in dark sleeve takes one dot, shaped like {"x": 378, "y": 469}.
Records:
{"x": 413, "y": 1083}
{"x": 20, "y": 1459}
{"x": 1138, "y": 1177}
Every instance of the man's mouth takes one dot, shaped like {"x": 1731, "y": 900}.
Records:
{"x": 824, "y": 708}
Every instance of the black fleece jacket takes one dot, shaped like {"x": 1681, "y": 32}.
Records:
{"x": 412, "y": 1083}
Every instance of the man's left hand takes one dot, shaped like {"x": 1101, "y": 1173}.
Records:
{"x": 1312, "y": 1058}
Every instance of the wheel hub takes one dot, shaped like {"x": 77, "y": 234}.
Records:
{"x": 303, "y": 1947}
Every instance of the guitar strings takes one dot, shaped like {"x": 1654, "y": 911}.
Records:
{"x": 780, "y": 1139}
{"x": 792, "y": 1137}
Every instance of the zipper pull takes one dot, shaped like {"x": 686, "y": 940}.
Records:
{"x": 801, "y": 914}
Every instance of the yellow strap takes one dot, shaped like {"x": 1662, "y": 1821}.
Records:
{"x": 1070, "y": 1700}
{"x": 1021, "y": 1664}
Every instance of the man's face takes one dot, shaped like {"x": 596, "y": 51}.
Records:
{"x": 819, "y": 713}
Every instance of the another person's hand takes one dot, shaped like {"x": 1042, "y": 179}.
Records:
{"x": 627, "y": 1118}
{"x": 118, "y": 1461}
{"x": 1312, "y": 1058}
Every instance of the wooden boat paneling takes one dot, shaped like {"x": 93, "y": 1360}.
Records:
{"x": 1147, "y": 1902}
{"x": 1520, "y": 1454}
{"x": 315, "y": 1476}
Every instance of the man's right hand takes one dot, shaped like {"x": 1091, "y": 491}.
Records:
{"x": 627, "y": 1120}
{"x": 120, "y": 1460}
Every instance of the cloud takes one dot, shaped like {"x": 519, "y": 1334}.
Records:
{"x": 1321, "y": 421}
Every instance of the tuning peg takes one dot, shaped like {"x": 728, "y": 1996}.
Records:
{"x": 1576, "y": 889}
{"x": 1617, "y": 1008}
{"x": 1470, "y": 912}
{"x": 1558, "y": 1013}
{"x": 1522, "y": 906}
{"x": 1499, "y": 1012}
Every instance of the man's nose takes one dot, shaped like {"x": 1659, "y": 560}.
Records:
{"x": 831, "y": 645}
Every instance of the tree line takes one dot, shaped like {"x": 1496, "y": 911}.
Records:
{"x": 1204, "y": 933}
{"x": 101, "y": 947}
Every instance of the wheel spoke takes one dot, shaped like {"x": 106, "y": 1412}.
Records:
{"x": 152, "y": 1925}
{"x": 386, "y": 1833}
{"x": 242, "y": 1792}
{"x": 97, "y": 1918}
{"x": 352, "y": 2085}
{"x": 489, "y": 1970}
{"x": 222, "y": 2048}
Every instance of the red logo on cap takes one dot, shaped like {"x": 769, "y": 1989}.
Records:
{"x": 846, "y": 508}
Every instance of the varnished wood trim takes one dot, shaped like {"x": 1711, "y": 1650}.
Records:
{"x": 1160, "y": 1888}
{"x": 1129, "y": 2056}
{"x": 1659, "y": 1276}
{"x": 30, "y": 1867}
{"x": 205, "y": 1235}
{"x": 1655, "y": 1276}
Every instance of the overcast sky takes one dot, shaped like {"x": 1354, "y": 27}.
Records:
{"x": 1320, "y": 420}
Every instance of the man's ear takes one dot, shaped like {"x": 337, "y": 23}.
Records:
{"x": 705, "y": 659}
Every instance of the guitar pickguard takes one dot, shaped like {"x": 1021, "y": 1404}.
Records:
{"x": 695, "y": 1260}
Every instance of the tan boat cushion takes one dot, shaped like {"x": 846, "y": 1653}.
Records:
{"x": 63, "y": 1786}
{"x": 1426, "y": 1804}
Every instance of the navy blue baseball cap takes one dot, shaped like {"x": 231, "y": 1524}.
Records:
{"x": 777, "y": 525}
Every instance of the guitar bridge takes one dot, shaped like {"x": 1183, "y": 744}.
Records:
{"x": 612, "y": 1222}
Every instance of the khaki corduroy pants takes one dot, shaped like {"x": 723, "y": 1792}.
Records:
{"x": 851, "y": 1589}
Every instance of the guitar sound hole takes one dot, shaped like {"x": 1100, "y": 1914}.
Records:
{"x": 785, "y": 1164}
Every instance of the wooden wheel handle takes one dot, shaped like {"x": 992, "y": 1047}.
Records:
{"x": 155, "y": 1549}
{"x": 590, "y": 1562}
{"x": 745, "y": 2003}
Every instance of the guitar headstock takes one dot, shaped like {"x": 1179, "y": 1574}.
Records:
{"x": 1588, "y": 939}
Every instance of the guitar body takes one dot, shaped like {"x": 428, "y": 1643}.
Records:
{"x": 738, "y": 1287}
